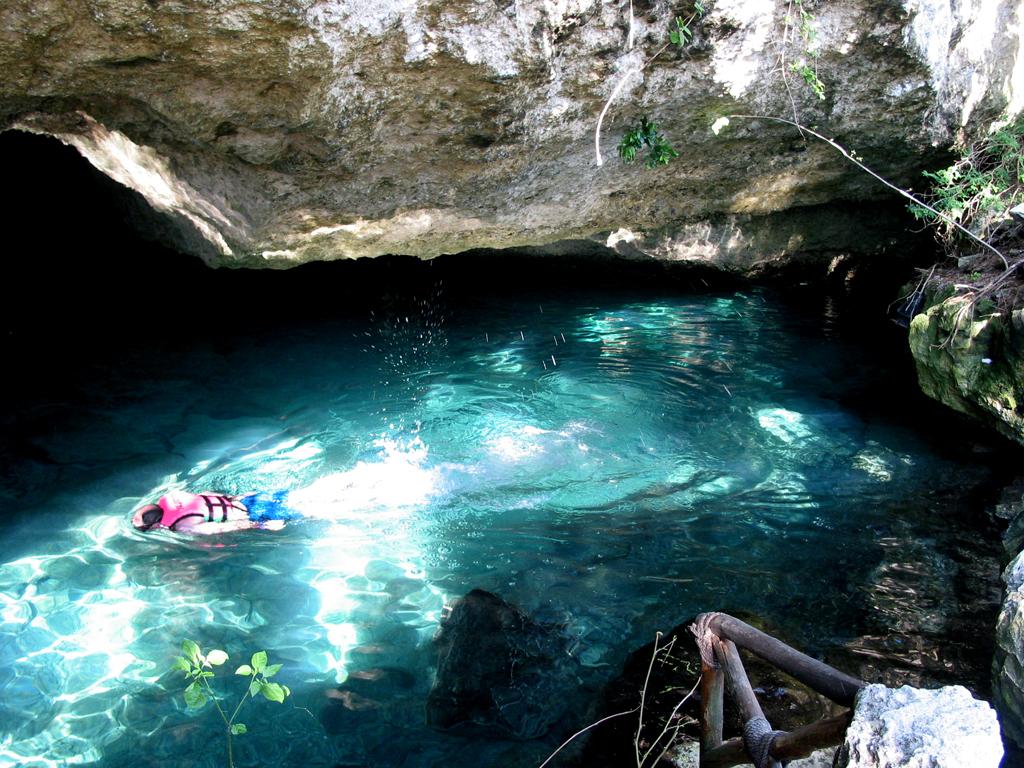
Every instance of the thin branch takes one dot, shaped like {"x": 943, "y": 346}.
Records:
{"x": 213, "y": 698}
{"x": 227, "y": 723}
{"x": 843, "y": 151}
{"x": 782, "y": 64}
{"x": 972, "y": 301}
{"x": 911, "y": 298}
{"x": 584, "y": 730}
{"x": 643, "y": 697}
{"x": 607, "y": 104}
{"x": 235, "y": 713}
{"x": 667, "y": 727}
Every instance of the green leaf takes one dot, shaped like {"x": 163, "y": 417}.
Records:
{"x": 272, "y": 670}
{"x": 245, "y": 669}
{"x": 287, "y": 690}
{"x": 191, "y": 651}
{"x": 194, "y": 696}
{"x": 273, "y": 692}
{"x": 181, "y": 664}
{"x": 681, "y": 34}
{"x": 254, "y": 687}
{"x": 206, "y": 674}
{"x": 238, "y": 729}
{"x": 216, "y": 657}
{"x": 259, "y": 660}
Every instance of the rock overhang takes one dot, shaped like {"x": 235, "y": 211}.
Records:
{"x": 271, "y": 135}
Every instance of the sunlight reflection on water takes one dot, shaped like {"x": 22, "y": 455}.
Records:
{"x": 679, "y": 457}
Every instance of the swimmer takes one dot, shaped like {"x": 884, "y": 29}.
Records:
{"x": 390, "y": 487}
{"x": 208, "y": 513}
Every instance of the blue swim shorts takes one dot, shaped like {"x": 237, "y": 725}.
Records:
{"x": 269, "y": 505}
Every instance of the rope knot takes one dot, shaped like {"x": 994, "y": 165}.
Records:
{"x": 757, "y": 738}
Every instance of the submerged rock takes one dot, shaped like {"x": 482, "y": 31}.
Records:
{"x": 497, "y": 668}
{"x": 271, "y": 134}
{"x": 913, "y": 728}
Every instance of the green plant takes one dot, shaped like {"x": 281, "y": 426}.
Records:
{"x": 198, "y": 671}
{"x": 810, "y": 76}
{"x": 806, "y": 66}
{"x": 976, "y": 191}
{"x": 807, "y": 29}
{"x": 680, "y": 34}
{"x": 646, "y": 134}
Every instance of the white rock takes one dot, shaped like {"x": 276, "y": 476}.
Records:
{"x": 914, "y": 728}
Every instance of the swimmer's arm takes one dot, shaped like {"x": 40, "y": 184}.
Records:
{"x": 231, "y": 525}
{"x": 235, "y": 525}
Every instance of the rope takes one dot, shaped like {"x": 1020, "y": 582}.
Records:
{"x": 701, "y": 629}
{"x": 757, "y": 738}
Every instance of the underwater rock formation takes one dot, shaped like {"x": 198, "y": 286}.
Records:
{"x": 903, "y": 727}
{"x": 271, "y": 134}
{"x": 497, "y": 668}
{"x": 972, "y": 359}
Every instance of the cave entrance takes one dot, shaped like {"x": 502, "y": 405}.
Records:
{"x": 73, "y": 257}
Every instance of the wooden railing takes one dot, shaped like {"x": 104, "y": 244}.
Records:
{"x": 719, "y": 636}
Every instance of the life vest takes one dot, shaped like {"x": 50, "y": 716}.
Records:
{"x": 200, "y": 508}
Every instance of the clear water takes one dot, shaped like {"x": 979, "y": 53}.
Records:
{"x": 611, "y": 464}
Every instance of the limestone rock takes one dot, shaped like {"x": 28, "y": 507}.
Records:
{"x": 1008, "y": 659}
{"x": 972, "y": 359}
{"x": 914, "y": 728}
{"x": 1010, "y": 508}
{"x": 273, "y": 133}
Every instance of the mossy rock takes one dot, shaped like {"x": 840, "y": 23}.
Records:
{"x": 971, "y": 358}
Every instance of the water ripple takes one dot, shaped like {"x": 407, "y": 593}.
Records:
{"x": 612, "y": 467}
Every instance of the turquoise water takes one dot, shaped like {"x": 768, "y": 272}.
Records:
{"x": 611, "y": 464}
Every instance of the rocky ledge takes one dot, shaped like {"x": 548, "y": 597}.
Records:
{"x": 970, "y": 356}
{"x": 270, "y": 134}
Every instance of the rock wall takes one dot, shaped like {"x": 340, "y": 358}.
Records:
{"x": 1008, "y": 665}
{"x": 273, "y": 133}
{"x": 971, "y": 358}
{"x": 1008, "y": 660}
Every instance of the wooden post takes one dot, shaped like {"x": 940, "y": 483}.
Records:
{"x": 736, "y": 678}
{"x": 712, "y": 695}
{"x": 836, "y": 685}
